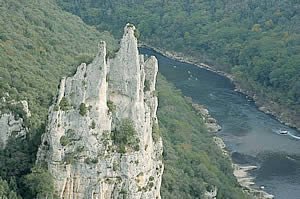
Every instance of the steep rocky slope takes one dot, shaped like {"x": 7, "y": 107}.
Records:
{"x": 101, "y": 139}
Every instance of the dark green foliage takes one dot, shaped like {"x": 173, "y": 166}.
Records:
{"x": 84, "y": 58}
{"x": 39, "y": 44}
{"x": 64, "y": 104}
{"x": 89, "y": 160}
{"x": 146, "y": 85}
{"x": 111, "y": 54}
{"x": 69, "y": 158}
{"x": 107, "y": 78}
{"x": 111, "y": 106}
{"x": 56, "y": 108}
{"x": 193, "y": 162}
{"x": 82, "y": 109}
{"x": 150, "y": 185}
{"x": 137, "y": 33}
{"x": 93, "y": 126}
{"x": 40, "y": 183}
{"x": 126, "y": 133}
{"x": 137, "y": 147}
{"x": 64, "y": 141}
{"x": 155, "y": 132}
{"x": 80, "y": 149}
{"x": 122, "y": 148}
{"x": 123, "y": 191}
{"x": 257, "y": 40}
{"x": 17, "y": 159}
{"x": 6, "y": 191}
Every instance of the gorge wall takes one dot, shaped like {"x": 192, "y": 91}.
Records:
{"x": 102, "y": 139}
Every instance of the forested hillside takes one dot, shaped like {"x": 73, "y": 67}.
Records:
{"x": 193, "y": 162}
{"x": 39, "y": 44}
{"x": 256, "y": 40}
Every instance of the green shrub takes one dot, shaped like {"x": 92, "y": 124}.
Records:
{"x": 146, "y": 85}
{"x": 80, "y": 149}
{"x": 89, "y": 160}
{"x": 64, "y": 104}
{"x": 111, "y": 106}
{"x": 126, "y": 133}
{"x": 122, "y": 149}
{"x": 56, "y": 108}
{"x": 137, "y": 147}
{"x": 82, "y": 109}
{"x": 151, "y": 178}
{"x": 123, "y": 191}
{"x": 84, "y": 58}
{"x": 155, "y": 132}
{"x": 110, "y": 55}
{"x": 40, "y": 183}
{"x": 69, "y": 158}
{"x": 150, "y": 185}
{"x": 93, "y": 125}
{"x": 64, "y": 141}
{"x": 107, "y": 78}
{"x": 137, "y": 33}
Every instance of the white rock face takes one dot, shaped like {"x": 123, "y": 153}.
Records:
{"x": 10, "y": 127}
{"x": 80, "y": 149}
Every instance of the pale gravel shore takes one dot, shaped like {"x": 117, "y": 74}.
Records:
{"x": 240, "y": 172}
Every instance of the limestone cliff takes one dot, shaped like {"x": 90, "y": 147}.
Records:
{"x": 101, "y": 140}
{"x": 12, "y": 125}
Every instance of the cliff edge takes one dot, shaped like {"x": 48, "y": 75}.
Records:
{"x": 102, "y": 137}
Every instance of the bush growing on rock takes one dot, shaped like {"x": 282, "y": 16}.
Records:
{"x": 111, "y": 106}
{"x": 82, "y": 109}
{"x": 64, "y": 104}
{"x": 64, "y": 141}
{"x": 146, "y": 85}
{"x": 137, "y": 33}
{"x": 155, "y": 132}
{"x": 126, "y": 133}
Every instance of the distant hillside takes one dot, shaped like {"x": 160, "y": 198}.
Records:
{"x": 39, "y": 44}
{"x": 256, "y": 40}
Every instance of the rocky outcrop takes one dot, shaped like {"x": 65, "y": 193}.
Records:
{"x": 11, "y": 125}
{"x": 210, "y": 122}
{"x": 100, "y": 139}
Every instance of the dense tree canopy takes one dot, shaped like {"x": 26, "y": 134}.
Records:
{"x": 193, "y": 162}
{"x": 39, "y": 44}
{"x": 257, "y": 40}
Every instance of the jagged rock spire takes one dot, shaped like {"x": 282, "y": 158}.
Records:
{"x": 80, "y": 147}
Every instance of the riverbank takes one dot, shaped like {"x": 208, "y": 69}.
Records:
{"x": 240, "y": 172}
{"x": 285, "y": 116}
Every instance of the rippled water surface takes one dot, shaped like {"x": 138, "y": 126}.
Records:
{"x": 250, "y": 135}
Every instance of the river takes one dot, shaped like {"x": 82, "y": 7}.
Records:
{"x": 250, "y": 135}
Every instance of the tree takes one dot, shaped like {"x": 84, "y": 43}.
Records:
{"x": 39, "y": 183}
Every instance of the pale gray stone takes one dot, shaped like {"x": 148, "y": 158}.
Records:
{"x": 120, "y": 80}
